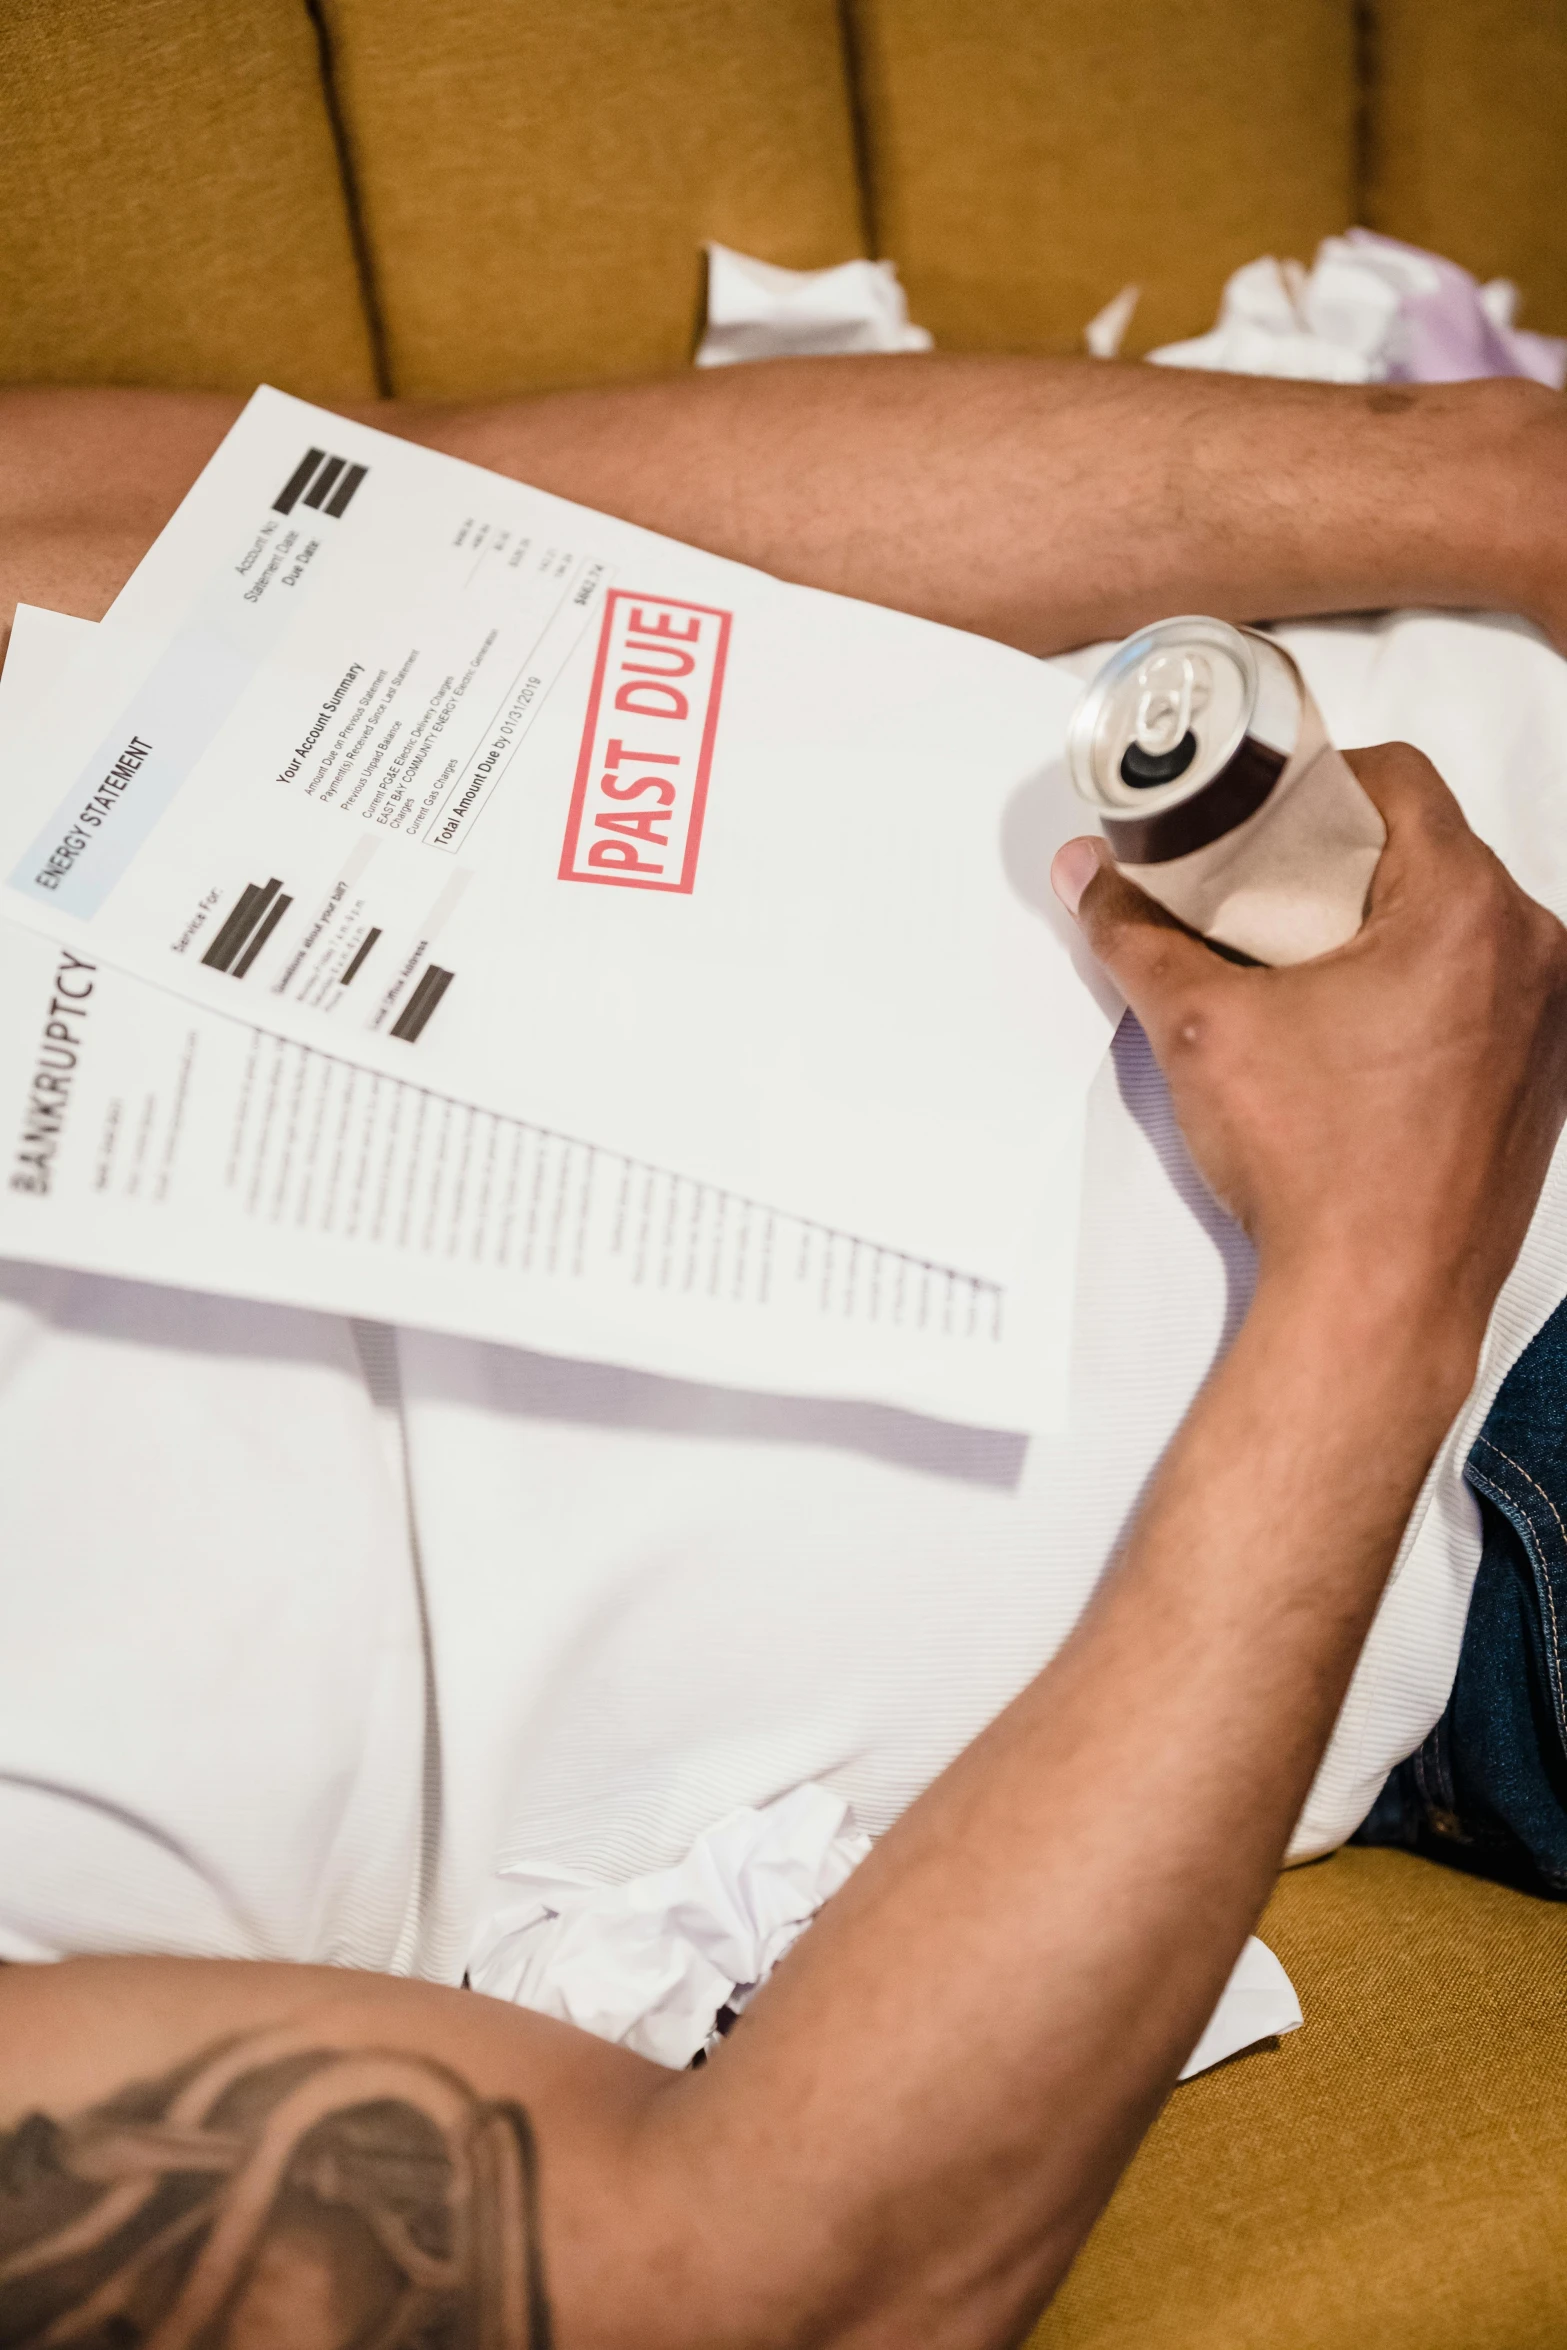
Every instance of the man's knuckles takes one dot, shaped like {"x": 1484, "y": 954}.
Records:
{"x": 1398, "y": 773}
{"x": 1425, "y": 823}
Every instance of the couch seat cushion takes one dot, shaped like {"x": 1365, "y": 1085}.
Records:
{"x": 1391, "y": 2177}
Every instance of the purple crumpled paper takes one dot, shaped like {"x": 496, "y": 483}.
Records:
{"x": 1450, "y": 328}
{"x": 1369, "y": 310}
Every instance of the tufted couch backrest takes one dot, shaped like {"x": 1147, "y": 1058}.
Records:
{"x": 492, "y": 196}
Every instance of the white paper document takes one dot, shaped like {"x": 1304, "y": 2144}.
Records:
{"x": 155, "y": 1139}
{"x": 478, "y": 789}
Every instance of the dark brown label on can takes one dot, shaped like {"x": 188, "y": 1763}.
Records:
{"x": 1225, "y": 802}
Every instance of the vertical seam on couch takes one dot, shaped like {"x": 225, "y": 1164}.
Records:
{"x": 859, "y": 124}
{"x": 1363, "y": 128}
{"x": 357, "y": 236}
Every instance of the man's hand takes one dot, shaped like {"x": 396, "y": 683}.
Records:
{"x": 1385, "y": 1114}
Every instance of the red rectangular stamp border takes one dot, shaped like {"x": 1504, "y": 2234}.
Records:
{"x": 579, "y": 789}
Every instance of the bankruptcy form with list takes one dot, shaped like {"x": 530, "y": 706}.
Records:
{"x": 575, "y": 924}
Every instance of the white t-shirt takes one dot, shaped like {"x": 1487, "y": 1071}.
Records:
{"x": 243, "y": 1712}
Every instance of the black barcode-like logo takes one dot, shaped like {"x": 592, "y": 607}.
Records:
{"x": 324, "y": 482}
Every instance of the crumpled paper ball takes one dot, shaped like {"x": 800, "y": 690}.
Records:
{"x": 758, "y": 311}
{"x": 649, "y": 1963}
{"x": 1369, "y": 310}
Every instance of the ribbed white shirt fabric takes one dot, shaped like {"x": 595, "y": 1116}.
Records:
{"x": 211, "y": 1666}
{"x": 233, "y": 1720}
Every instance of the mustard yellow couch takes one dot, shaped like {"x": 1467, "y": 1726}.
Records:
{"x": 470, "y": 197}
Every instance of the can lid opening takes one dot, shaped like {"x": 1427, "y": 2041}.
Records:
{"x": 1142, "y": 768}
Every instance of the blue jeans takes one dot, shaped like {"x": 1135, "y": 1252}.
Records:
{"x": 1488, "y": 1789}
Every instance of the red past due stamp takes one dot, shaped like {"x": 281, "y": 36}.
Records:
{"x": 641, "y": 787}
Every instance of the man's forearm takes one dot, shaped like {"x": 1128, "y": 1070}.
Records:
{"x": 1052, "y": 502}
{"x": 984, "y": 2022}
{"x": 1045, "y": 502}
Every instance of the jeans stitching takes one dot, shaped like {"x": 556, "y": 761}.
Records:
{"x": 1550, "y": 1595}
{"x": 1434, "y": 1784}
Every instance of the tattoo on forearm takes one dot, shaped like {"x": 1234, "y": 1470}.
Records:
{"x": 274, "y": 2195}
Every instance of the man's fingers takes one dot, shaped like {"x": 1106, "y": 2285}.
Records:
{"x": 1406, "y": 787}
{"x": 1433, "y": 865}
{"x": 1422, "y": 817}
{"x": 1073, "y": 868}
{"x": 1159, "y": 965}
{"x": 1151, "y": 956}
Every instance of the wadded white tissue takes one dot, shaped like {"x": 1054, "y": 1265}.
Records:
{"x": 758, "y": 311}
{"x": 649, "y": 1963}
{"x": 1369, "y": 310}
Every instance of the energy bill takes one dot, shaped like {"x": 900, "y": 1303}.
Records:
{"x": 412, "y": 772}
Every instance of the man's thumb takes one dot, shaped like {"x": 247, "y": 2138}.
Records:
{"x": 1143, "y": 947}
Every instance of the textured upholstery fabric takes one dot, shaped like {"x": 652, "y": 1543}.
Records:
{"x": 1467, "y": 146}
{"x": 538, "y": 180}
{"x": 1394, "y": 2176}
{"x": 1030, "y": 157}
{"x": 171, "y": 210}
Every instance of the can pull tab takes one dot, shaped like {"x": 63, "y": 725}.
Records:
{"x": 1173, "y": 689}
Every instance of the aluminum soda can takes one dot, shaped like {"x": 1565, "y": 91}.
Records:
{"x": 1202, "y": 753}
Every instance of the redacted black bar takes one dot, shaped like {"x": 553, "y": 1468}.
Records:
{"x": 232, "y": 934}
{"x": 415, "y": 1014}
{"x": 279, "y": 909}
{"x": 288, "y": 496}
{"x": 345, "y": 490}
{"x": 323, "y": 481}
{"x": 355, "y": 967}
{"x": 249, "y": 908}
